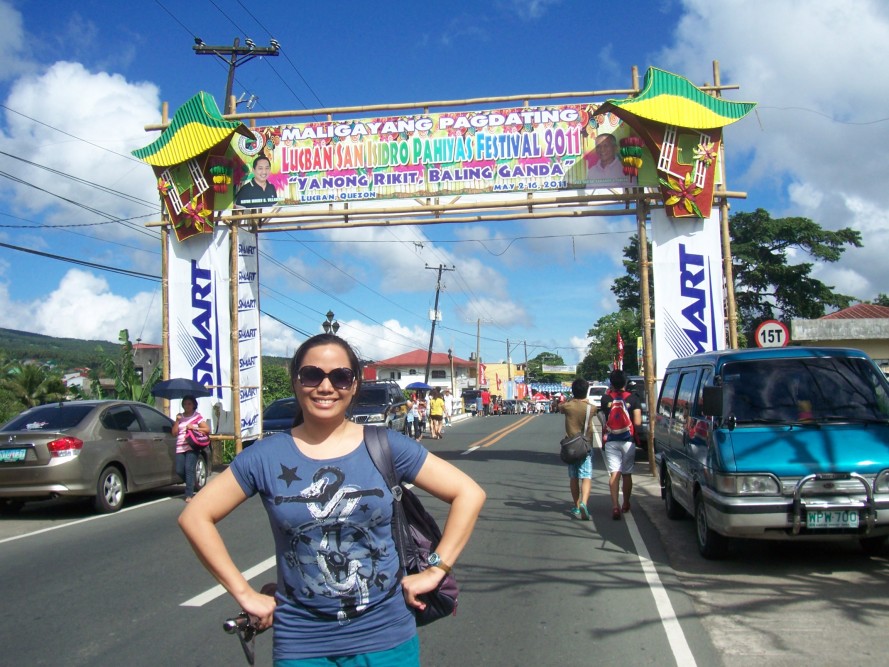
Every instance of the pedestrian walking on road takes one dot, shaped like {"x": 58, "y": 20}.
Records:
{"x": 436, "y": 413}
{"x": 580, "y": 475}
{"x": 186, "y": 455}
{"x": 340, "y": 597}
{"x": 449, "y": 407}
{"x": 621, "y": 415}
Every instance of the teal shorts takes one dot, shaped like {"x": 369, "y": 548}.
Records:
{"x": 583, "y": 470}
{"x": 403, "y": 655}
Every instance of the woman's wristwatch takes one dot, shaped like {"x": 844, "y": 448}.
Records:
{"x": 435, "y": 560}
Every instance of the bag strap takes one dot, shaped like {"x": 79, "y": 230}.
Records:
{"x": 376, "y": 439}
{"x": 586, "y": 422}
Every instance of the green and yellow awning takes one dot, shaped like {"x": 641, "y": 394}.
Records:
{"x": 673, "y": 100}
{"x": 197, "y": 126}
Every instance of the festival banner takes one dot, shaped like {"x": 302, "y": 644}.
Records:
{"x": 249, "y": 351}
{"x": 512, "y": 150}
{"x": 199, "y": 319}
{"x": 688, "y": 286}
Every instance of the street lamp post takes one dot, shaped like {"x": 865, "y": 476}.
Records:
{"x": 330, "y": 325}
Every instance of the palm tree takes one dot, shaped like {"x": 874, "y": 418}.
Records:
{"x": 32, "y": 384}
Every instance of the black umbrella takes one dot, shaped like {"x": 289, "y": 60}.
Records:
{"x": 419, "y": 385}
{"x": 179, "y": 388}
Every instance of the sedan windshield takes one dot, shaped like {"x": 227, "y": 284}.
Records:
{"x": 805, "y": 390}
{"x": 53, "y": 417}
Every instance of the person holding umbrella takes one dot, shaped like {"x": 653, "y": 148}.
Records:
{"x": 186, "y": 455}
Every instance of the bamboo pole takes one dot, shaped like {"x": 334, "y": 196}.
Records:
{"x": 725, "y": 233}
{"x": 425, "y": 106}
{"x": 647, "y": 345}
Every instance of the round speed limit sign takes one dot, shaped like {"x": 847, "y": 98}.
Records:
{"x": 772, "y": 333}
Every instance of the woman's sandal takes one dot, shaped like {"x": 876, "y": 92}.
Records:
{"x": 626, "y": 507}
{"x": 615, "y": 514}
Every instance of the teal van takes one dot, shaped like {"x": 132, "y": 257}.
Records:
{"x": 780, "y": 443}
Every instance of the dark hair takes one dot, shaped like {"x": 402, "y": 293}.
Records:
{"x": 579, "y": 388}
{"x": 317, "y": 341}
{"x": 618, "y": 379}
{"x": 261, "y": 157}
{"x": 189, "y": 397}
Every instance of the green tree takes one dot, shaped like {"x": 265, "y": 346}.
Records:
{"x": 626, "y": 287}
{"x": 275, "y": 383}
{"x": 127, "y": 383}
{"x": 882, "y": 299}
{"x": 766, "y": 286}
{"x": 32, "y": 384}
{"x": 603, "y": 347}
{"x": 535, "y": 367}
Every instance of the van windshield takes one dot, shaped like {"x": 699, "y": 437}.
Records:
{"x": 805, "y": 390}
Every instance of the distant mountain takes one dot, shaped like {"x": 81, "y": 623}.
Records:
{"x": 61, "y": 353}
{"x": 67, "y": 353}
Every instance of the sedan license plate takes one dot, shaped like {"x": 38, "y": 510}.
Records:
{"x": 12, "y": 455}
{"x": 832, "y": 519}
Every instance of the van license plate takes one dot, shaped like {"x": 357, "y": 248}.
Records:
{"x": 12, "y": 455}
{"x": 832, "y": 519}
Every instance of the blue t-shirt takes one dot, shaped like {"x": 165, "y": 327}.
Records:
{"x": 339, "y": 590}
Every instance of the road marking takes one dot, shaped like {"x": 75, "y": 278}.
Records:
{"x": 489, "y": 440}
{"x": 212, "y": 593}
{"x": 681, "y": 650}
{"x": 84, "y": 520}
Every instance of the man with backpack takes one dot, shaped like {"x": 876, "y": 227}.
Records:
{"x": 621, "y": 415}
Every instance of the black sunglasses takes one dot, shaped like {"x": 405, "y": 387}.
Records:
{"x": 312, "y": 376}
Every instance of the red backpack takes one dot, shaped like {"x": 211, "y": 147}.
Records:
{"x": 619, "y": 420}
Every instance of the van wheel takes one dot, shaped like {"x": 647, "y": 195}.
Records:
{"x": 711, "y": 544}
{"x": 674, "y": 509}
{"x": 872, "y": 546}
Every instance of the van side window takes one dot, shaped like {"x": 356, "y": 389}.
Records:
{"x": 668, "y": 393}
{"x": 685, "y": 395}
{"x": 706, "y": 378}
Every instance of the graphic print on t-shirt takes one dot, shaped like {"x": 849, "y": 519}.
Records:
{"x": 337, "y": 554}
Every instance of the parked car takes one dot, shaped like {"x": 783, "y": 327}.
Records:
{"x": 380, "y": 402}
{"x": 779, "y": 443}
{"x": 278, "y": 416}
{"x": 103, "y": 449}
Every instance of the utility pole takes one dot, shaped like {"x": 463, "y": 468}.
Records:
{"x": 441, "y": 267}
{"x": 238, "y": 55}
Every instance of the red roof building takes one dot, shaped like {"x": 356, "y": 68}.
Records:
{"x": 411, "y": 367}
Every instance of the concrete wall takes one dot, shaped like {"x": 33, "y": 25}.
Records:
{"x": 868, "y": 335}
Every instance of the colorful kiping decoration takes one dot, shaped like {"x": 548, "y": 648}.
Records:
{"x": 196, "y": 213}
{"x": 631, "y": 151}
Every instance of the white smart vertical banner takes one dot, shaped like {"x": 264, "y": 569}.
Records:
{"x": 200, "y": 347}
{"x": 689, "y": 310}
{"x": 249, "y": 351}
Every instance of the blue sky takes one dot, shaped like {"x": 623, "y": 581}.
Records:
{"x": 79, "y": 81}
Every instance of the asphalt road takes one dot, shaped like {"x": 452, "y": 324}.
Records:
{"x": 537, "y": 587}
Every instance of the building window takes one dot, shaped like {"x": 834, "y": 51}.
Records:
{"x": 394, "y": 375}
{"x": 412, "y": 371}
{"x": 439, "y": 375}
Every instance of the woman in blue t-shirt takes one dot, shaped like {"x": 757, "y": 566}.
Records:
{"x": 338, "y": 590}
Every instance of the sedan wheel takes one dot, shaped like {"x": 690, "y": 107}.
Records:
{"x": 201, "y": 473}
{"x": 110, "y": 491}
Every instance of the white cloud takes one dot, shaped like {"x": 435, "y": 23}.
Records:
{"x": 83, "y": 306}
